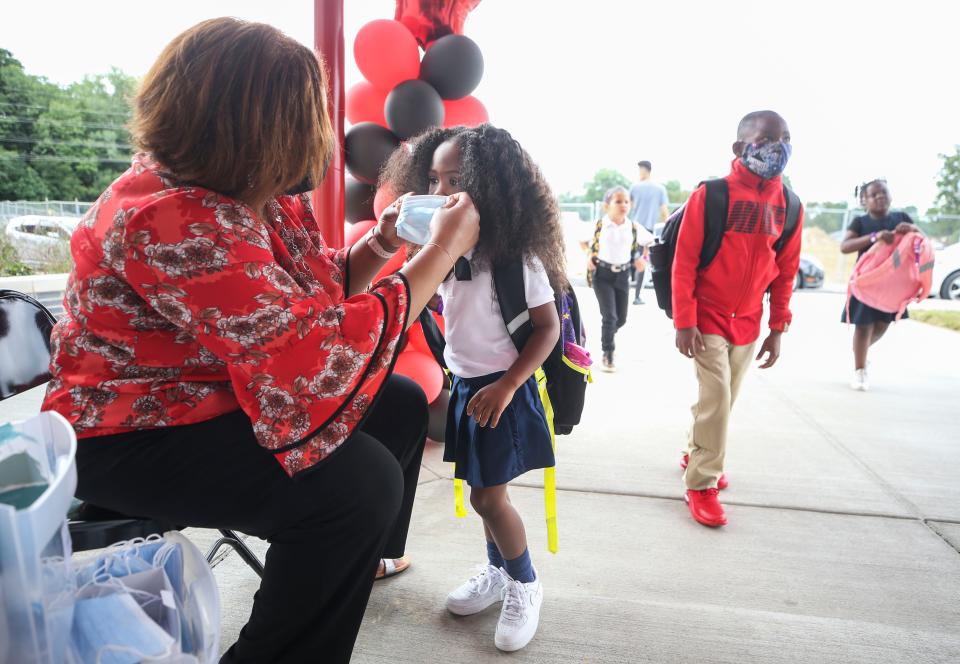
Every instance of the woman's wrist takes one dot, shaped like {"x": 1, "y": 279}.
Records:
{"x": 374, "y": 245}
{"x": 387, "y": 246}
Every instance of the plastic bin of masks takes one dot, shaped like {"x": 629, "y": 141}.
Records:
{"x": 146, "y": 600}
{"x": 37, "y": 480}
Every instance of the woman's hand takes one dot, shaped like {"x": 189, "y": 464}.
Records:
{"x": 905, "y": 227}
{"x": 886, "y": 236}
{"x": 488, "y": 404}
{"x": 456, "y": 225}
{"x": 387, "y": 224}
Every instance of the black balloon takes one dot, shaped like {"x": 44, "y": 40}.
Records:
{"x": 453, "y": 65}
{"x": 437, "y": 424}
{"x": 367, "y": 146}
{"x": 412, "y": 107}
{"x": 358, "y": 200}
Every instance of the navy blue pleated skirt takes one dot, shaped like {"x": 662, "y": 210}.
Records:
{"x": 487, "y": 456}
{"x": 864, "y": 314}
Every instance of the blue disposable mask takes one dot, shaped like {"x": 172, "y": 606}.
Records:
{"x": 413, "y": 222}
{"x": 113, "y": 629}
{"x": 768, "y": 160}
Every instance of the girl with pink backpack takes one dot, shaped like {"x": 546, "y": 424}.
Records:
{"x": 879, "y": 225}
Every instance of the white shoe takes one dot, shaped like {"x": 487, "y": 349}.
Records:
{"x": 478, "y": 592}
{"x": 859, "y": 381}
{"x": 520, "y": 614}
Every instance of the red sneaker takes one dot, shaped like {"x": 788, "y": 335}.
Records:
{"x": 722, "y": 483}
{"x": 705, "y": 507}
{"x": 684, "y": 460}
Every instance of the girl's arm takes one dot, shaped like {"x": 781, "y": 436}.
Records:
{"x": 853, "y": 242}
{"x": 488, "y": 404}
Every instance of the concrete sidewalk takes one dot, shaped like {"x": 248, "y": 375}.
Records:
{"x": 844, "y": 514}
{"x": 844, "y": 536}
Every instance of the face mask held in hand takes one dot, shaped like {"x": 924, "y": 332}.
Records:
{"x": 413, "y": 222}
{"x": 766, "y": 159}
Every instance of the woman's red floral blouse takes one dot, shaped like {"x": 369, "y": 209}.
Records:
{"x": 184, "y": 305}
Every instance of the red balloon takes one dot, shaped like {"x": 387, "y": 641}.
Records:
{"x": 384, "y": 197}
{"x": 392, "y": 265}
{"x": 423, "y": 370}
{"x": 365, "y": 104}
{"x": 356, "y": 231}
{"x": 386, "y": 53}
{"x": 416, "y": 340}
{"x": 431, "y": 19}
{"x": 468, "y": 111}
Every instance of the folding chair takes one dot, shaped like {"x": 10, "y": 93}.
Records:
{"x": 25, "y": 327}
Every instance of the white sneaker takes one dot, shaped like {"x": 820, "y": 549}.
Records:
{"x": 478, "y": 592}
{"x": 859, "y": 381}
{"x": 520, "y": 614}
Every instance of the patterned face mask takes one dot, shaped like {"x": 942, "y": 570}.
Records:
{"x": 767, "y": 159}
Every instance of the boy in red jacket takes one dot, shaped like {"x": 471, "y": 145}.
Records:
{"x": 717, "y": 310}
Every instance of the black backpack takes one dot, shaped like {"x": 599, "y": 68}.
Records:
{"x": 715, "y": 222}
{"x": 566, "y": 383}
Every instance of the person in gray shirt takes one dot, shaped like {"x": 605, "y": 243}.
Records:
{"x": 648, "y": 206}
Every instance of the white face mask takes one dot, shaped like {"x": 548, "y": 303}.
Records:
{"x": 413, "y": 222}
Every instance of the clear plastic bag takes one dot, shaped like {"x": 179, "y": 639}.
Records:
{"x": 37, "y": 481}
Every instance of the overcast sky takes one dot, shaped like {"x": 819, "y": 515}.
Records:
{"x": 868, "y": 88}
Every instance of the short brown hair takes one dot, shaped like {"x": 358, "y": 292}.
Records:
{"x": 237, "y": 107}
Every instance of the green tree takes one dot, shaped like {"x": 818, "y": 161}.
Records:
{"x": 603, "y": 180}
{"x": 62, "y": 143}
{"x": 675, "y": 192}
{"x": 947, "y": 201}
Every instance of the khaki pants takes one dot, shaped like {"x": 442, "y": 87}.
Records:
{"x": 720, "y": 371}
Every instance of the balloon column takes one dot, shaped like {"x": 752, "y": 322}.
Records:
{"x": 404, "y": 94}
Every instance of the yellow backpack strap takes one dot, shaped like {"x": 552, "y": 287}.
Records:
{"x": 458, "y": 505}
{"x": 549, "y": 474}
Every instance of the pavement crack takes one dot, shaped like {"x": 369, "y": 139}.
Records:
{"x": 936, "y": 531}
{"x": 839, "y": 446}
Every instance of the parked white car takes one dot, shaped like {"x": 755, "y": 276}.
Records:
{"x": 36, "y": 237}
{"x": 946, "y": 273}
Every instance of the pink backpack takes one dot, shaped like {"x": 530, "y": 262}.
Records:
{"x": 888, "y": 277}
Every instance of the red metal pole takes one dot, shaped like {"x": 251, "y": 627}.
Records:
{"x": 328, "y": 41}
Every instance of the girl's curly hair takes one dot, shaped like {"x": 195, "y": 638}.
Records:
{"x": 519, "y": 216}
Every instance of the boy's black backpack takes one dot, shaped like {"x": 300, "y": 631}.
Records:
{"x": 566, "y": 384}
{"x": 715, "y": 222}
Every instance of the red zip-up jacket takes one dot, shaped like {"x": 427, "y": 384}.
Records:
{"x": 726, "y": 298}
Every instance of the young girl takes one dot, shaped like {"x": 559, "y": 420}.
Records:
{"x": 614, "y": 248}
{"x": 496, "y": 426}
{"x": 878, "y": 225}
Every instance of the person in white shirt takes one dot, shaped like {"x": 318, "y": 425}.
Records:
{"x": 497, "y": 428}
{"x": 614, "y": 250}
{"x": 648, "y": 206}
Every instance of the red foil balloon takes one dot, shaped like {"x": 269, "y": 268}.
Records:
{"x": 429, "y": 20}
{"x": 468, "y": 111}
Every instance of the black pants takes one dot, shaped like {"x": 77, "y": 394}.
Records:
{"x": 613, "y": 290}
{"x": 327, "y": 526}
{"x": 640, "y": 275}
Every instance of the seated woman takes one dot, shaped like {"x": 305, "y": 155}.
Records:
{"x": 222, "y": 366}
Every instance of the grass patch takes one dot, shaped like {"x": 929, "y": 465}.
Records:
{"x": 947, "y": 319}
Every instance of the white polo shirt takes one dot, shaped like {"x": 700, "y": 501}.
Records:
{"x": 616, "y": 241}
{"x": 477, "y": 340}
